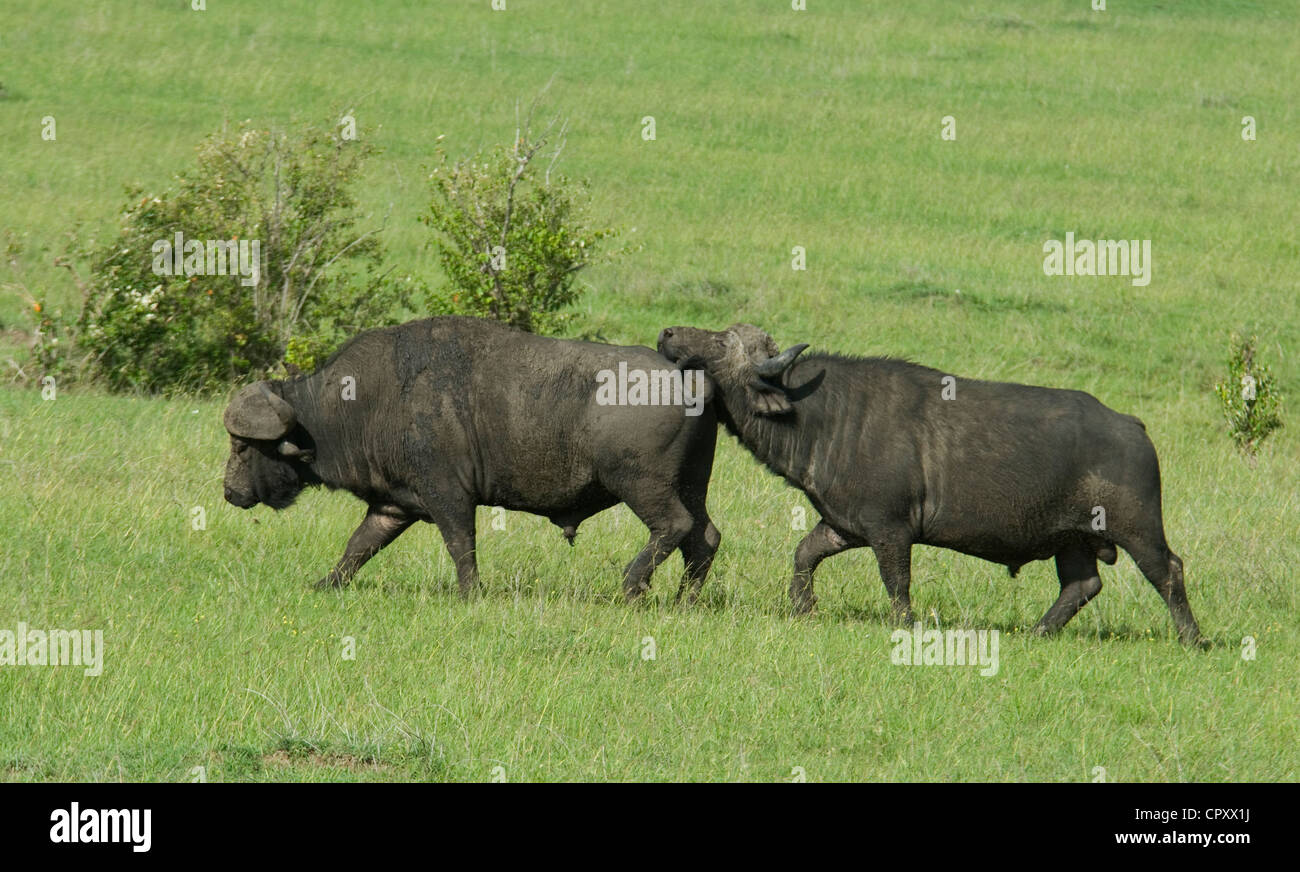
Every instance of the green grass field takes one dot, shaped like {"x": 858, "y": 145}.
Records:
{"x": 775, "y": 129}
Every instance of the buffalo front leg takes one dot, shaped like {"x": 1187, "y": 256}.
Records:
{"x": 894, "y": 557}
{"x": 820, "y": 543}
{"x": 1076, "y": 567}
{"x": 377, "y": 529}
{"x": 458, "y": 534}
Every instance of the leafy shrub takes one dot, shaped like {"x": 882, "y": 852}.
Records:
{"x": 1249, "y": 397}
{"x": 319, "y": 279}
{"x": 511, "y": 236}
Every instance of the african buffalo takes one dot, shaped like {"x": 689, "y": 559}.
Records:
{"x": 430, "y": 419}
{"x": 893, "y": 454}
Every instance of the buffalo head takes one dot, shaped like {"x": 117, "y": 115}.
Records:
{"x": 265, "y": 464}
{"x": 743, "y": 361}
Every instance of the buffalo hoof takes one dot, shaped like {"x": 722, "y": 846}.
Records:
{"x": 327, "y": 583}
{"x": 805, "y": 606}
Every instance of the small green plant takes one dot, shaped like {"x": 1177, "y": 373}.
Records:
{"x": 50, "y": 351}
{"x": 511, "y": 236}
{"x": 1249, "y": 396}
{"x": 162, "y": 312}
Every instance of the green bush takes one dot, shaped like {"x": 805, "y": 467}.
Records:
{"x": 511, "y": 236}
{"x": 1249, "y": 397}
{"x": 319, "y": 278}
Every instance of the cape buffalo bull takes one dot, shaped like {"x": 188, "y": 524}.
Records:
{"x": 428, "y": 420}
{"x": 893, "y": 455}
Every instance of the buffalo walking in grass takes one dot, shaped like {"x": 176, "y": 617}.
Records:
{"x": 430, "y": 419}
{"x": 893, "y": 454}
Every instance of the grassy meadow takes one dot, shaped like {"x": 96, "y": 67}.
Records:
{"x": 774, "y": 128}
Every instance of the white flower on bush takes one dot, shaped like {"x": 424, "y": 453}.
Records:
{"x": 147, "y": 303}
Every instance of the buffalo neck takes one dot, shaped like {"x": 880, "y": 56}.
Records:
{"x": 776, "y": 440}
{"x": 838, "y": 404}
{"x": 328, "y": 430}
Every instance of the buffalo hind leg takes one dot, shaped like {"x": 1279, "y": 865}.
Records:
{"x": 820, "y": 543}
{"x": 376, "y": 530}
{"x": 669, "y": 524}
{"x": 1076, "y": 568}
{"x": 697, "y": 547}
{"x": 894, "y": 557}
{"x": 1164, "y": 569}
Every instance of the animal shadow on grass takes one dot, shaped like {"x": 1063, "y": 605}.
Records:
{"x": 883, "y": 616}
{"x": 1153, "y": 633}
{"x": 598, "y": 589}
{"x": 510, "y": 584}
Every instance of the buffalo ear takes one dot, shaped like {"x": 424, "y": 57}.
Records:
{"x": 707, "y": 386}
{"x": 257, "y": 413}
{"x": 293, "y": 452}
{"x": 768, "y": 399}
